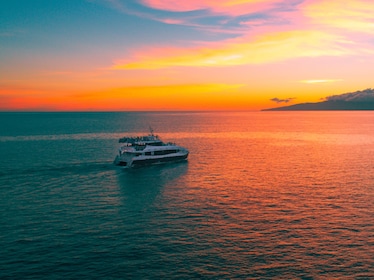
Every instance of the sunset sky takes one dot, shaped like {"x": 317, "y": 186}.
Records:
{"x": 118, "y": 55}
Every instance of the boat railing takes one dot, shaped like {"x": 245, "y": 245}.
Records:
{"x": 136, "y": 139}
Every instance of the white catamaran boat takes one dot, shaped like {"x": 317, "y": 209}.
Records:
{"x": 147, "y": 150}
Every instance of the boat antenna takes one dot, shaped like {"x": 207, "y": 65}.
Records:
{"x": 151, "y": 130}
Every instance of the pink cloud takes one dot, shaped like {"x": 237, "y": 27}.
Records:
{"x": 175, "y": 6}
{"x": 229, "y": 7}
{"x": 172, "y": 21}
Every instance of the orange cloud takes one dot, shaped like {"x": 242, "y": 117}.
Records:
{"x": 264, "y": 49}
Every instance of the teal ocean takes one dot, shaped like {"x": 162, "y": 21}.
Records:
{"x": 263, "y": 195}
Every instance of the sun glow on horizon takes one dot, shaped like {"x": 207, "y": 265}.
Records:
{"x": 166, "y": 54}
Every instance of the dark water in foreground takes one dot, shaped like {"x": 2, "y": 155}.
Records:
{"x": 264, "y": 195}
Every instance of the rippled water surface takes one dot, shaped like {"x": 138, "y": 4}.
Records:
{"x": 264, "y": 195}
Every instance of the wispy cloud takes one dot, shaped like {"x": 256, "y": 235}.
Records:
{"x": 350, "y": 15}
{"x": 118, "y": 5}
{"x": 319, "y": 81}
{"x": 224, "y": 16}
{"x": 285, "y": 100}
{"x": 266, "y": 31}
{"x": 247, "y": 50}
{"x": 229, "y": 7}
{"x": 132, "y": 7}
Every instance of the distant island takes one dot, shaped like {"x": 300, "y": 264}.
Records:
{"x": 359, "y": 100}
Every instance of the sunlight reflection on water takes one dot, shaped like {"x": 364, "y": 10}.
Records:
{"x": 264, "y": 196}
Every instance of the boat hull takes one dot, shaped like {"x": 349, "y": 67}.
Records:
{"x": 145, "y": 161}
{"x": 161, "y": 160}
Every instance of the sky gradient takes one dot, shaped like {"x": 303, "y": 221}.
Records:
{"x": 118, "y": 55}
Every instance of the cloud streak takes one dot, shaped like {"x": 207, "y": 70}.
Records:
{"x": 228, "y": 7}
{"x": 353, "y": 15}
{"x": 278, "y": 100}
{"x": 267, "y": 31}
{"x": 366, "y": 95}
{"x": 320, "y": 81}
{"x": 263, "y": 49}
{"x": 224, "y": 16}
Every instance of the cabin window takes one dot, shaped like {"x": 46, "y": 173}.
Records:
{"x": 164, "y": 152}
{"x": 147, "y": 153}
{"x": 155, "y": 144}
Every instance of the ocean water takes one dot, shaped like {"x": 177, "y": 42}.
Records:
{"x": 263, "y": 195}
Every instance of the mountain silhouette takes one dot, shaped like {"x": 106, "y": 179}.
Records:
{"x": 358, "y": 100}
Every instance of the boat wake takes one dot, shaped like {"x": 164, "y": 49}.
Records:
{"x": 67, "y": 168}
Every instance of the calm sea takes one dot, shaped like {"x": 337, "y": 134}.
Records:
{"x": 263, "y": 195}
